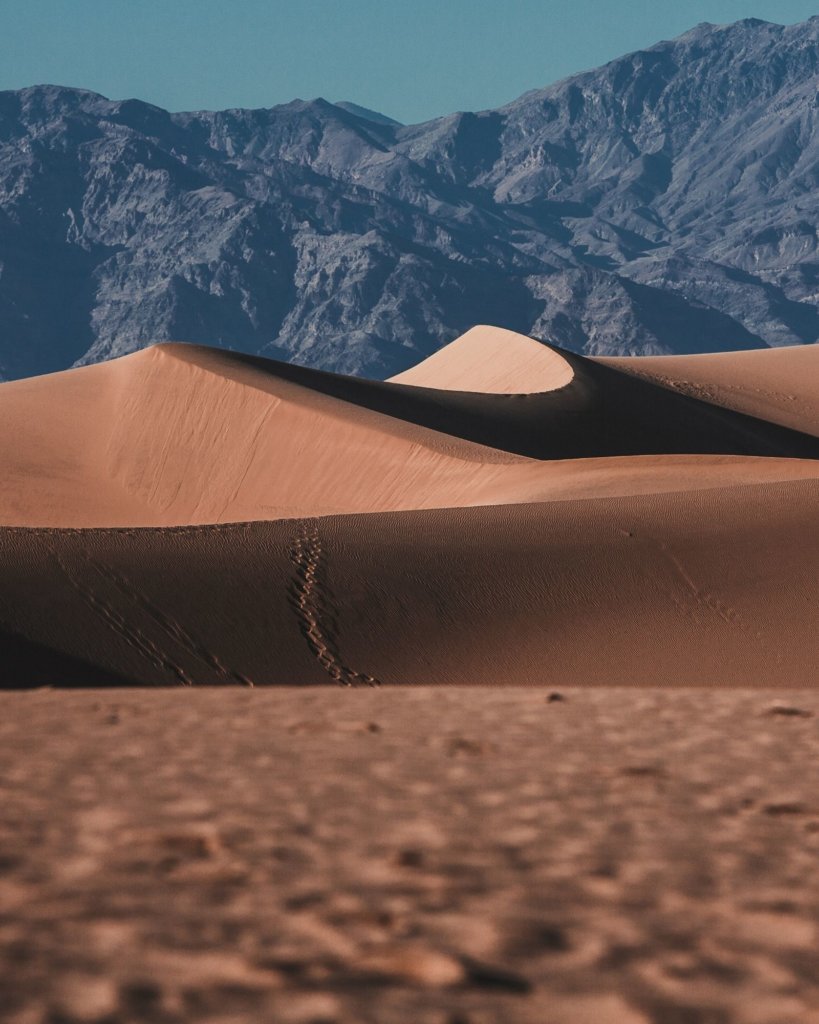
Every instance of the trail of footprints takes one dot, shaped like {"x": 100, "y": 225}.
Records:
{"x": 172, "y": 629}
{"x": 308, "y": 597}
{"x": 132, "y": 636}
{"x": 709, "y": 392}
{"x": 313, "y": 606}
{"x": 168, "y": 627}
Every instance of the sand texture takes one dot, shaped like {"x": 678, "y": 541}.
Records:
{"x": 426, "y": 857}
{"x": 186, "y": 516}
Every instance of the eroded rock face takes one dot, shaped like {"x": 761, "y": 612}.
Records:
{"x": 663, "y": 203}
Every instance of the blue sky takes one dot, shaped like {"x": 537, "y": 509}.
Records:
{"x": 412, "y": 59}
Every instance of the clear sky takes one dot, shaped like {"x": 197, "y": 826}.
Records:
{"x": 411, "y": 59}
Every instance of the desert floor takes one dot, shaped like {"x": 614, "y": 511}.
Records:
{"x": 450, "y": 855}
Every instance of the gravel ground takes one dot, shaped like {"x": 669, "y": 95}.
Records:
{"x": 451, "y": 856}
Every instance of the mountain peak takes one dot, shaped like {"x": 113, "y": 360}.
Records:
{"x": 709, "y": 29}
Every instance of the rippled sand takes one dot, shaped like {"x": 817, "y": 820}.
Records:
{"x": 425, "y": 855}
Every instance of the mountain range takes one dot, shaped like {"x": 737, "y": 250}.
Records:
{"x": 664, "y": 203}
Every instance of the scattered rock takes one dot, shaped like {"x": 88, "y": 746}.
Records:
{"x": 142, "y": 998}
{"x": 491, "y": 976}
{"x": 784, "y": 807}
{"x": 414, "y": 965}
{"x": 410, "y": 858}
{"x": 195, "y": 843}
{"x": 460, "y": 745}
{"x": 644, "y": 771}
{"x": 788, "y": 711}
{"x": 536, "y": 937}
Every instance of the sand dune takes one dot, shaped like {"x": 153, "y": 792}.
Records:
{"x": 179, "y": 435}
{"x": 712, "y": 587}
{"x": 185, "y": 515}
{"x": 778, "y": 384}
{"x": 492, "y": 361}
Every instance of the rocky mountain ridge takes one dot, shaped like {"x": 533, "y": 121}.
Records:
{"x": 666, "y": 202}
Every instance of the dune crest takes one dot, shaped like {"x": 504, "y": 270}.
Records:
{"x": 247, "y": 521}
{"x": 776, "y": 384}
{"x": 493, "y": 361}
{"x": 180, "y": 435}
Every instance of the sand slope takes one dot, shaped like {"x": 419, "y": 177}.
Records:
{"x": 714, "y": 587}
{"x": 606, "y": 529}
{"x": 492, "y": 361}
{"x": 779, "y": 385}
{"x": 178, "y": 435}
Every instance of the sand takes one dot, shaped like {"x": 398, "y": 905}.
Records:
{"x": 627, "y": 591}
{"x": 493, "y": 361}
{"x": 238, "y": 787}
{"x": 185, "y": 515}
{"x": 407, "y": 856}
{"x": 181, "y": 435}
{"x": 778, "y": 385}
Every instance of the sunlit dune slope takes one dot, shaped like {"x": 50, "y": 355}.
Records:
{"x": 493, "y": 361}
{"x": 178, "y": 435}
{"x": 780, "y": 385}
{"x": 621, "y": 526}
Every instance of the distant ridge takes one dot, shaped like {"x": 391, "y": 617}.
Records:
{"x": 367, "y": 114}
{"x": 663, "y": 203}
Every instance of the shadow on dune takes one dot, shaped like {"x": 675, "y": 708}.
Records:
{"x": 701, "y": 585}
{"x": 702, "y": 588}
{"x": 601, "y": 412}
{"x": 26, "y": 665}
